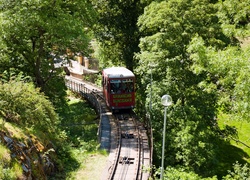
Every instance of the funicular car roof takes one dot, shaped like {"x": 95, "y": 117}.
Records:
{"x": 118, "y": 72}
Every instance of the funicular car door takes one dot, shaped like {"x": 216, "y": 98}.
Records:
{"x": 105, "y": 85}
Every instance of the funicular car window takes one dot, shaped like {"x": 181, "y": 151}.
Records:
{"x": 127, "y": 85}
{"x": 115, "y": 86}
{"x": 121, "y": 86}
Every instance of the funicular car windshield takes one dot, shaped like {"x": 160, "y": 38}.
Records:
{"x": 118, "y": 86}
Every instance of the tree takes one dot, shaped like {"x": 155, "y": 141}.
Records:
{"x": 169, "y": 27}
{"x": 33, "y": 33}
{"x": 117, "y": 31}
{"x": 227, "y": 72}
{"x": 234, "y": 16}
{"x": 239, "y": 172}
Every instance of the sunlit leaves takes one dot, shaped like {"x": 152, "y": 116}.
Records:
{"x": 227, "y": 72}
{"x": 239, "y": 172}
{"x": 169, "y": 27}
{"x": 117, "y": 31}
{"x": 21, "y": 103}
{"x": 31, "y": 30}
{"x": 234, "y": 12}
{"x": 182, "y": 173}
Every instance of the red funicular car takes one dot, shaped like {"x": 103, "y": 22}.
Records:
{"x": 118, "y": 88}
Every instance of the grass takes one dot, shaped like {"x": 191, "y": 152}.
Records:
{"x": 13, "y": 130}
{"x": 230, "y": 151}
{"x": 9, "y": 167}
{"x": 77, "y": 112}
{"x": 92, "y": 165}
{"x": 79, "y": 121}
{"x": 4, "y": 154}
{"x": 243, "y": 129}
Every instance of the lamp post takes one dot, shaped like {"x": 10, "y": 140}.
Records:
{"x": 166, "y": 101}
{"x": 151, "y": 66}
{"x": 150, "y": 105}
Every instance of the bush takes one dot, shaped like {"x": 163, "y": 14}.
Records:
{"x": 240, "y": 172}
{"x": 22, "y": 103}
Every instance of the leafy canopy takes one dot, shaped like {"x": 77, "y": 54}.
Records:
{"x": 227, "y": 73}
{"x": 117, "y": 32}
{"x": 169, "y": 27}
{"x": 33, "y": 33}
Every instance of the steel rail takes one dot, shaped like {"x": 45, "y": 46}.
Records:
{"x": 112, "y": 174}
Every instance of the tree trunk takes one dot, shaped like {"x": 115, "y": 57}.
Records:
{"x": 38, "y": 76}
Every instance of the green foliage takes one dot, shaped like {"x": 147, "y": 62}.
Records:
{"x": 170, "y": 26}
{"x": 240, "y": 172}
{"x": 33, "y": 33}
{"x": 240, "y": 141}
{"x": 56, "y": 89}
{"x": 183, "y": 43}
{"x": 77, "y": 122}
{"x": 22, "y": 103}
{"x": 179, "y": 173}
{"x": 226, "y": 72}
{"x": 117, "y": 32}
{"x": 9, "y": 170}
{"x": 78, "y": 135}
{"x": 189, "y": 141}
{"x": 234, "y": 16}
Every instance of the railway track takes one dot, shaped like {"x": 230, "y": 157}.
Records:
{"x": 129, "y": 150}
